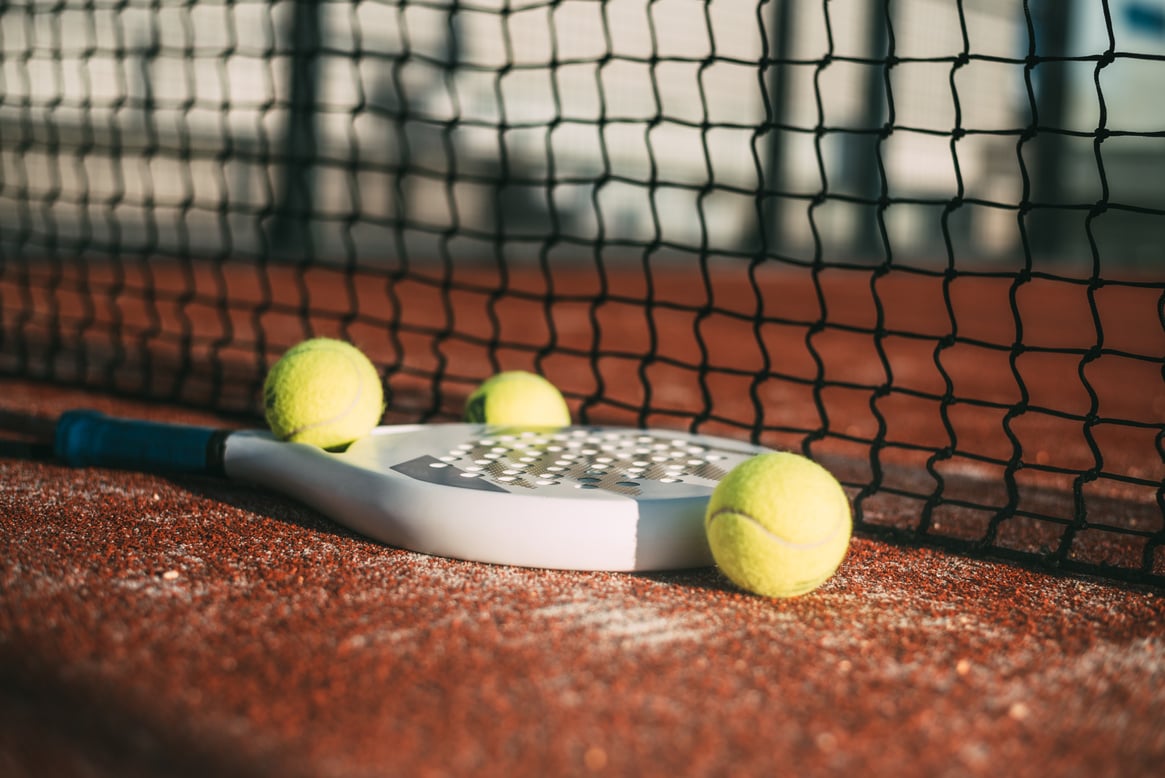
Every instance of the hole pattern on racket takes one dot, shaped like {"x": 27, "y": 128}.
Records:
{"x": 625, "y": 462}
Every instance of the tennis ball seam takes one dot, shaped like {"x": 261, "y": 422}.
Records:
{"x": 772, "y": 535}
{"x": 352, "y": 403}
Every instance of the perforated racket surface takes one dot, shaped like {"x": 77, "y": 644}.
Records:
{"x": 590, "y": 498}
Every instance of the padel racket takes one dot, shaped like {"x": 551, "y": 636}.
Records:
{"x": 576, "y": 498}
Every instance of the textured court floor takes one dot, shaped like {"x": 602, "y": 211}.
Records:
{"x": 157, "y": 626}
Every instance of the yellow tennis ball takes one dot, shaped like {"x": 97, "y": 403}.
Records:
{"x": 517, "y": 399}
{"x": 778, "y": 524}
{"x": 324, "y": 392}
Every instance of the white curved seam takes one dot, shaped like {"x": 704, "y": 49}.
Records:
{"x": 347, "y": 409}
{"x": 783, "y": 541}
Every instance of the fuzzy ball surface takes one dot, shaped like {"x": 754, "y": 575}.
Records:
{"x": 324, "y": 392}
{"x": 517, "y": 398}
{"x": 778, "y": 524}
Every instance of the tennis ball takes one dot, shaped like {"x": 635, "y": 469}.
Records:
{"x": 778, "y": 524}
{"x": 324, "y": 392}
{"x": 517, "y": 399}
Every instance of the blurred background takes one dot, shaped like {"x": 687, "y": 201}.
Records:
{"x": 981, "y": 133}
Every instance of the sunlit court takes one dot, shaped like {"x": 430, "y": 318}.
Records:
{"x": 915, "y": 243}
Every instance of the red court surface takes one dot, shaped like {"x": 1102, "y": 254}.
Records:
{"x": 156, "y": 626}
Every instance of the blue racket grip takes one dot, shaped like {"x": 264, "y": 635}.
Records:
{"x": 86, "y": 438}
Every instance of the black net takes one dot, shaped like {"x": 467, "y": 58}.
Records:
{"x": 918, "y": 239}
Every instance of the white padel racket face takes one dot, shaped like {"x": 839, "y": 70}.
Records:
{"x": 589, "y": 498}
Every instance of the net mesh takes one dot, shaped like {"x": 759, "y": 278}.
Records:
{"x": 917, "y": 239}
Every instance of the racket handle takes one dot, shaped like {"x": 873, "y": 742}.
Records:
{"x": 86, "y": 438}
